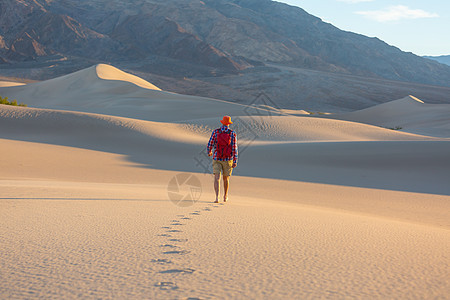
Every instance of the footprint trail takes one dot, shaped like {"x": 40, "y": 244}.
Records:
{"x": 172, "y": 247}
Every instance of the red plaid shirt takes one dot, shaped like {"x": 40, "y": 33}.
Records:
{"x": 213, "y": 142}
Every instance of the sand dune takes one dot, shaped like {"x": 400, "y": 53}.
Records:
{"x": 409, "y": 114}
{"x": 384, "y": 156}
{"x": 285, "y": 142}
{"x": 108, "y": 72}
{"x": 33, "y": 122}
{"x": 107, "y": 90}
{"x": 305, "y": 129}
{"x": 319, "y": 208}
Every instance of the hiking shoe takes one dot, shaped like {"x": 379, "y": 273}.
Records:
{"x": 217, "y": 201}
{"x": 225, "y": 199}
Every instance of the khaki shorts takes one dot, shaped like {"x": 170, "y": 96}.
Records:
{"x": 225, "y": 167}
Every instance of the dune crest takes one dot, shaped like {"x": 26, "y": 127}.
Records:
{"x": 414, "y": 98}
{"x": 290, "y": 128}
{"x": 108, "y": 72}
{"x": 408, "y": 114}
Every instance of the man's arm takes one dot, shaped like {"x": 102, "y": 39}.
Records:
{"x": 234, "y": 149}
{"x": 211, "y": 143}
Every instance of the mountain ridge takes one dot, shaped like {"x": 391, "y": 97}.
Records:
{"x": 443, "y": 59}
{"x": 220, "y": 36}
{"x": 225, "y": 49}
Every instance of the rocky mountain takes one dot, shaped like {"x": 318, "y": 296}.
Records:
{"x": 32, "y": 29}
{"x": 168, "y": 39}
{"x": 443, "y": 59}
{"x": 226, "y": 35}
{"x": 253, "y": 40}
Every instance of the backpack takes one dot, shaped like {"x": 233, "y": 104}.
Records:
{"x": 223, "y": 147}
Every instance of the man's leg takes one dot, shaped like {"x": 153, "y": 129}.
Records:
{"x": 217, "y": 185}
{"x": 226, "y": 182}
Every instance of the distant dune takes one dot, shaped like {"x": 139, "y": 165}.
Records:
{"x": 108, "y": 90}
{"x": 408, "y": 114}
{"x": 108, "y": 72}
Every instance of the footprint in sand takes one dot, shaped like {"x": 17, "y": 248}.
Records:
{"x": 174, "y": 230}
{"x": 179, "y": 240}
{"x": 179, "y": 252}
{"x": 166, "y": 285}
{"x": 195, "y": 213}
{"x": 207, "y": 209}
{"x": 178, "y": 271}
{"x": 168, "y": 246}
{"x": 177, "y": 224}
{"x": 161, "y": 261}
{"x": 164, "y": 234}
{"x": 165, "y": 227}
{"x": 186, "y": 218}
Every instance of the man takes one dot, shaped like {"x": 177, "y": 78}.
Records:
{"x": 224, "y": 141}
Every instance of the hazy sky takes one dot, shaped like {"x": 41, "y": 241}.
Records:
{"x": 421, "y": 27}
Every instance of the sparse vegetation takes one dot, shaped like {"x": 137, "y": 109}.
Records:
{"x": 13, "y": 103}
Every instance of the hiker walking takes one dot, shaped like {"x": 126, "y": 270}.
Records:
{"x": 225, "y": 156}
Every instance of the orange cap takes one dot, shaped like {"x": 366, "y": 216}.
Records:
{"x": 226, "y": 120}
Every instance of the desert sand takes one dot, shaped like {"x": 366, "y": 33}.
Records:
{"x": 336, "y": 207}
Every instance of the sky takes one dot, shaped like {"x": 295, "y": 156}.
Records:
{"x": 421, "y": 27}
